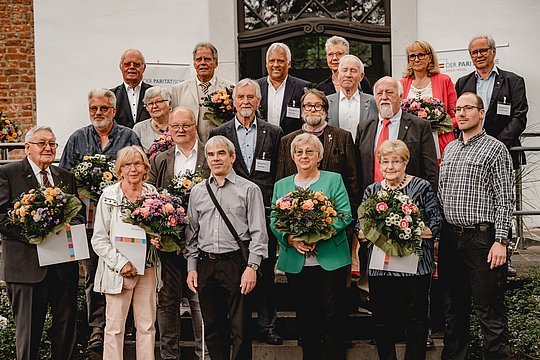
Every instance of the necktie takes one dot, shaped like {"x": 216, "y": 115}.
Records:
{"x": 205, "y": 86}
{"x": 383, "y": 136}
{"x": 45, "y": 177}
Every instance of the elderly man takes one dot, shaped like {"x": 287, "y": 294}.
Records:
{"x": 103, "y": 136}
{"x": 392, "y": 124}
{"x": 130, "y": 93}
{"x": 335, "y": 48}
{"x": 32, "y": 288}
{"x": 256, "y": 143}
{"x": 281, "y": 92}
{"x": 502, "y": 92}
{"x": 217, "y": 268}
{"x": 190, "y": 93}
{"x": 477, "y": 199}
{"x": 349, "y": 106}
{"x": 186, "y": 156}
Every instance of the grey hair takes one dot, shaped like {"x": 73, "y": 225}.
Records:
{"x": 128, "y": 50}
{"x": 206, "y": 45}
{"x": 384, "y": 78}
{"x": 337, "y": 40}
{"x": 355, "y": 58}
{"x": 95, "y": 93}
{"x": 157, "y": 90}
{"x": 32, "y": 132}
{"x": 247, "y": 82}
{"x": 220, "y": 140}
{"x": 491, "y": 42}
{"x": 281, "y": 46}
{"x": 310, "y": 139}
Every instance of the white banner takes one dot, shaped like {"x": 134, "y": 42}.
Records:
{"x": 166, "y": 75}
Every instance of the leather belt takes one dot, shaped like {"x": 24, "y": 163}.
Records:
{"x": 481, "y": 227}
{"x": 222, "y": 256}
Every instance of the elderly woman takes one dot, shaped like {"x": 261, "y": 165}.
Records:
{"x": 116, "y": 276}
{"x": 157, "y": 100}
{"x": 317, "y": 272}
{"x": 399, "y": 298}
{"x": 422, "y": 78}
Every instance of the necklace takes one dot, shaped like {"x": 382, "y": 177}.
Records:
{"x": 400, "y": 185}
{"x": 156, "y": 126}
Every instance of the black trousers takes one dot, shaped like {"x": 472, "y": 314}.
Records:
{"x": 224, "y": 309}
{"x": 95, "y": 301}
{"x": 320, "y": 311}
{"x": 400, "y": 303}
{"x": 464, "y": 274}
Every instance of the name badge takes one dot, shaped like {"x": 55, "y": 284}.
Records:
{"x": 504, "y": 109}
{"x": 262, "y": 165}
{"x": 293, "y": 112}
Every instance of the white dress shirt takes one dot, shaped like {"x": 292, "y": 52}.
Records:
{"x": 349, "y": 112}
{"x": 133, "y": 97}
{"x": 183, "y": 163}
{"x": 37, "y": 171}
{"x": 393, "y": 128}
{"x": 275, "y": 101}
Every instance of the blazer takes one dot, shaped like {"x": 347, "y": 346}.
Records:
{"x": 328, "y": 88}
{"x": 267, "y": 148}
{"x": 123, "y": 109}
{"x": 505, "y": 128}
{"x": 332, "y": 253}
{"x": 162, "y": 166}
{"x": 339, "y": 156}
{"x": 368, "y": 108}
{"x": 415, "y": 133}
{"x": 294, "y": 89}
{"x": 19, "y": 258}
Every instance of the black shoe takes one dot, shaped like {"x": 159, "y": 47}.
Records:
{"x": 511, "y": 271}
{"x": 271, "y": 337}
{"x": 95, "y": 342}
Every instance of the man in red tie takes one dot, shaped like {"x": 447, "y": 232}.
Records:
{"x": 391, "y": 124}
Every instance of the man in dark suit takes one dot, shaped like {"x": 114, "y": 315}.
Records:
{"x": 502, "y": 92}
{"x": 257, "y": 147}
{"x": 281, "y": 92}
{"x": 32, "y": 288}
{"x": 415, "y": 132}
{"x": 130, "y": 94}
{"x": 186, "y": 155}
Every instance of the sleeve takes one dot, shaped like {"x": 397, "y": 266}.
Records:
{"x": 503, "y": 192}
{"x": 153, "y": 174}
{"x": 429, "y": 157}
{"x": 80, "y": 218}
{"x": 451, "y": 100}
{"x": 430, "y": 206}
{"x": 192, "y": 231}
{"x": 9, "y": 231}
{"x": 343, "y": 205}
{"x": 520, "y": 107}
{"x": 351, "y": 173}
{"x": 135, "y": 139}
{"x": 258, "y": 246}
{"x": 278, "y": 192}
{"x": 66, "y": 161}
{"x": 281, "y": 160}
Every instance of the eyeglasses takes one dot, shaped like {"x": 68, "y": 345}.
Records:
{"x": 308, "y": 152}
{"x": 102, "y": 108}
{"x": 135, "y": 64}
{"x": 467, "y": 108}
{"x": 136, "y": 165}
{"x": 386, "y": 163}
{"x": 151, "y": 104}
{"x": 419, "y": 56}
{"x": 177, "y": 127}
{"x": 43, "y": 144}
{"x": 309, "y": 107}
{"x": 477, "y": 52}
{"x": 337, "y": 54}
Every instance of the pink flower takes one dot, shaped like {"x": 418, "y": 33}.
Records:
{"x": 144, "y": 211}
{"x": 422, "y": 113}
{"x": 284, "y": 205}
{"x": 407, "y": 209}
{"x": 181, "y": 210}
{"x": 437, "y": 112}
{"x": 168, "y": 208}
{"x": 172, "y": 220}
{"x": 403, "y": 224}
{"x": 382, "y": 206}
{"x": 308, "y": 205}
{"x": 414, "y": 208}
{"x": 415, "y": 105}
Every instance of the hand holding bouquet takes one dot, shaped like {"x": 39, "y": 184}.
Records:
{"x": 430, "y": 109}
{"x": 161, "y": 144}
{"x": 93, "y": 174}
{"x": 181, "y": 185}
{"x": 392, "y": 222}
{"x": 220, "y": 106}
{"x": 42, "y": 212}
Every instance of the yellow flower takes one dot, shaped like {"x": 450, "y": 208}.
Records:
{"x": 49, "y": 198}
{"x": 107, "y": 176}
{"x": 329, "y": 220}
{"x": 86, "y": 157}
{"x": 187, "y": 183}
{"x": 22, "y": 212}
{"x": 53, "y": 192}
{"x": 17, "y": 204}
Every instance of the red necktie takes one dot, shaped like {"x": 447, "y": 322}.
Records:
{"x": 383, "y": 136}
{"x": 45, "y": 177}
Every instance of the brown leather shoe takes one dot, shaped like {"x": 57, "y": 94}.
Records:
{"x": 95, "y": 342}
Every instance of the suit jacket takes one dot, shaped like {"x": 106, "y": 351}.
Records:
{"x": 186, "y": 94}
{"x": 368, "y": 108}
{"x": 414, "y": 132}
{"x": 294, "y": 89}
{"x": 19, "y": 258}
{"x": 504, "y": 128}
{"x": 339, "y": 156}
{"x": 123, "y": 109}
{"x": 162, "y": 166}
{"x": 267, "y": 147}
{"x": 328, "y": 88}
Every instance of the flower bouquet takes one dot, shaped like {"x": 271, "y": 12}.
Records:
{"x": 9, "y": 132}
{"x": 430, "y": 109}
{"x": 93, "y": 174}
{"x": 306, "y": 215}
{"x": 181, "y": 185}
{"x": 160, "y": 215}
{"x": 42, "y": 212}
{"x": 220, "y": 106}
{"x": 161, "y": 144}
{"x": 392, "y": 222}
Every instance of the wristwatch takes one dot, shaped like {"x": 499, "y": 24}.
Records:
{"x": 253, "y": 266}
{"x": 502, "y": 241}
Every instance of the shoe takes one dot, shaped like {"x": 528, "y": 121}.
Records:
{"x": 271, "y": 337}
{"x": 429, "y": 342}
{"x": 95, "y": 342}
{"x": 511, "y": 271}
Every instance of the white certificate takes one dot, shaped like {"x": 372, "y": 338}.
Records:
{"x": 382, "y": 261}
{"x": 68, "y": 245}
{"x": 130, "y": 241}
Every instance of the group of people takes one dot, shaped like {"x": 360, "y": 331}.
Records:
{"x": 335, "y": 138}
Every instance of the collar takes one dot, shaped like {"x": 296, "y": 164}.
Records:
{"x": 114, "y": 130}
{"x": 212, "y": 81}
{"x": 280, "y": 85}
{"x": 231, "y": 176}
{"x": 193, "y": 151}
{"x": 36, "y": 169}
{"x": 474, "y": 138}
{"x": 356, "y": 96}
{"x": 394, "y": 118}
{"x": 493, "y": 70}
{"x": 136, "y": 88}
{"x": 238, "y": 124}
